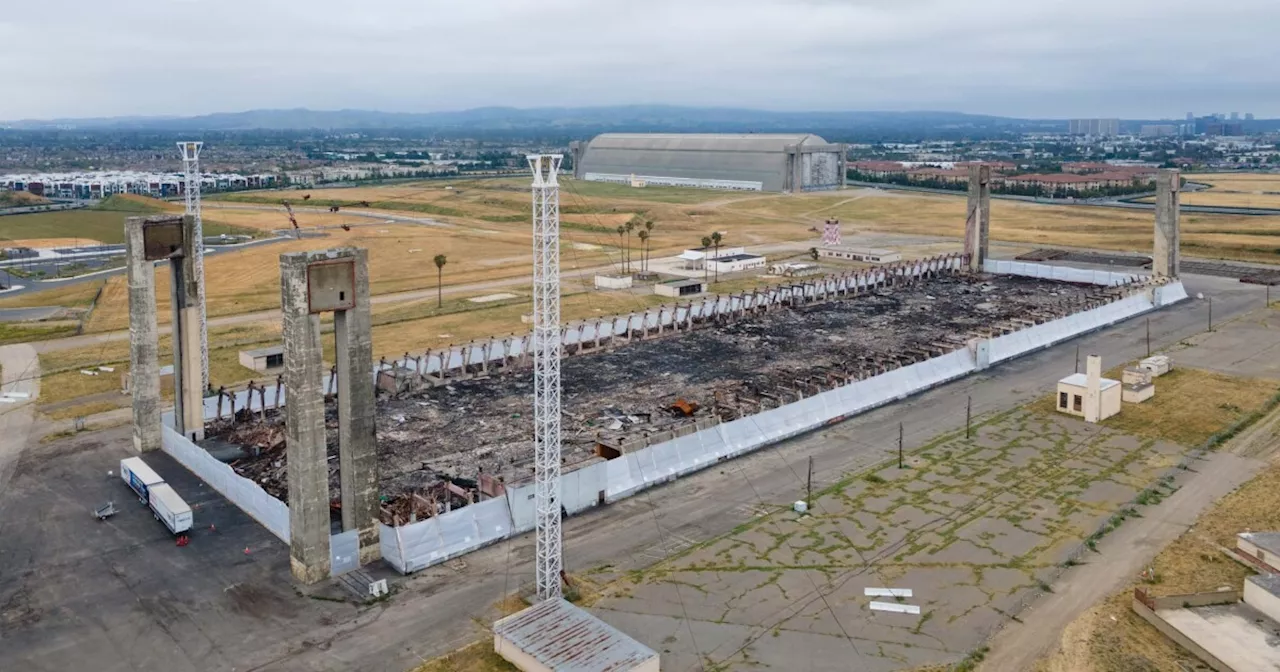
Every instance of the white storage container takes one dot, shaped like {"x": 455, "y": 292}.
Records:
{"x": 170, "y": 509}
{"x": 137, "y": 475}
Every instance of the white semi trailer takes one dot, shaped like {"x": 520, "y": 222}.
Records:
{"x": 165, "y": 504}
{"x": 169, "y": 508}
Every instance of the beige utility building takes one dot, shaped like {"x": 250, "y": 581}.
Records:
{"x": 1089, "y": 395}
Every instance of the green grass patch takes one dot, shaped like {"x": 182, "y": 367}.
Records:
{"x": 106, "y": 226}
{"x": 20, "y": 333}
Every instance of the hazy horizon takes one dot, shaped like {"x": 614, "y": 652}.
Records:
{"x": 1141, "y": 59}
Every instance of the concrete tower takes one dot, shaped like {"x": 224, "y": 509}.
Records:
{"x": 1166, "y": 255}
{"x": 978, "y": 224}
{"x": 312, "y": 283}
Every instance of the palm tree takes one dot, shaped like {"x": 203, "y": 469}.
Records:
{"x": 630, "y": 226}
{"x": 621, "y": 250}
{"x": 440, "y": 260}
{"x": 706, "y": 245}
{"x": 648, "y": 227}
{"x": 644, "y": 238}
{"x": 715, "y": 240}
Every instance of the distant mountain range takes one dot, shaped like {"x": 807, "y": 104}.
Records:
{"x": 630, "y": 117}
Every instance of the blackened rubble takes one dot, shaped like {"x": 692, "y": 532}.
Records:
{"x": 616, "y": 396}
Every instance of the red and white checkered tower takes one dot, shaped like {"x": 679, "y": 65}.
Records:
{"x": 831, "y": 232}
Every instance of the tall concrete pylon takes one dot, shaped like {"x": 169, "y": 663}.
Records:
{"x": 978, "y": 223}
{"x": 144, "y": 364}
{"x": 1166, "y": 255}
{"x": 312, "y": 283}
{"x": 148, "y": 240}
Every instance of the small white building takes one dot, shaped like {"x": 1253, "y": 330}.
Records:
{"x": 696, "y": 258}
{"x": 263, "y": 359}
{"x": 870, "y": 255}
{"x": 1089, "y": 396}
{"x": 735, "y": 263}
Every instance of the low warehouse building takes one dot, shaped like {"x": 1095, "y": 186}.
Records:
{"x": 866, "y": 254}
{"x": 739, "y": 162}
{"x": 555, "y": 636}
{"x": 735, "y": 262}
{"x": 678, "y": 288}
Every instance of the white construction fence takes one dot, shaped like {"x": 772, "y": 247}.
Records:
{"x": 415, "y": 546}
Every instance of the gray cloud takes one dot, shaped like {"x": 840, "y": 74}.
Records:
{"x": 1131, "y": 58}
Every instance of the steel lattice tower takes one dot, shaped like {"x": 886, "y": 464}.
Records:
{"x": 546, "y": 369}
{"x": 191, "y": 171}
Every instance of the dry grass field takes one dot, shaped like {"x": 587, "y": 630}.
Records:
{"x": 1224, "y": 236}
{"x": 484, "y": 232}
{"x": 1237, "y": 190}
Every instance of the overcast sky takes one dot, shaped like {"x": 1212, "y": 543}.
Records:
{"x": 1041, "y": 58}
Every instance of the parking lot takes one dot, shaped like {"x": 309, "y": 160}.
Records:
{"x": 120, "y": 595}
{"x": 974, "y": 527}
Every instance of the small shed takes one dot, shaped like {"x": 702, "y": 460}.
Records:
{"x": 1137, "y": 385}
{"x": 555, "y": 636}
{"x": 263, "y": 359}
{"x": 679, "y": 288}
{"x": 1073, "y": 394}
{"x": 1158, "y": 365}
{"x": 1264, "y": 547}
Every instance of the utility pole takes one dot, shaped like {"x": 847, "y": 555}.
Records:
{"x": 1077, "y": 359}
{"x": 191, "y": 172}
{"x": 1210, "y": 313}
{"x": 1148, "y": 336}
{"x": 548, "y": 557}
{"x": 900, "y": 465}
{"x": 968, "y": 416}
{"x": 808, "y": 485}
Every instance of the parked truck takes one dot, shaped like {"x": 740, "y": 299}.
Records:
{"x": 138, "y": 476}
{"x": 169, "y": 508}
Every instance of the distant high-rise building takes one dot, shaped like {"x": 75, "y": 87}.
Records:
{"x": 1098, "y": 127}
{"x": 1191, "y": 118}
{"x": 1235, "y": 116}
{"x": 1157, "y": 130}
{"x": 1248, "y": 116}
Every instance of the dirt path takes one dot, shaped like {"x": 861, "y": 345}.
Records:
{"x": 1121, "y": 556}
{"x": 21, "y": 376}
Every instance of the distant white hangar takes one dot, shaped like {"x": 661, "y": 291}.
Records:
{"x": 737, "y": 162}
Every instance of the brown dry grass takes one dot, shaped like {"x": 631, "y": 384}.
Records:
{"x": 479, "y": 657}
{"x": 1111, "y": 638}
{"x": 399, "y": 260}
{"x": 1226, "y": 236}
{"x": 1191, "y": 405}
{"x": 69, "y": 296}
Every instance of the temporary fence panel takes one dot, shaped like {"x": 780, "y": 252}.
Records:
{"x": 344, "y": 552}
{"x": 522, "y": 505}
{"x": 440, "y": 538}
{"x": 270, "y": 512}
{"x": 581, "y": 489}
